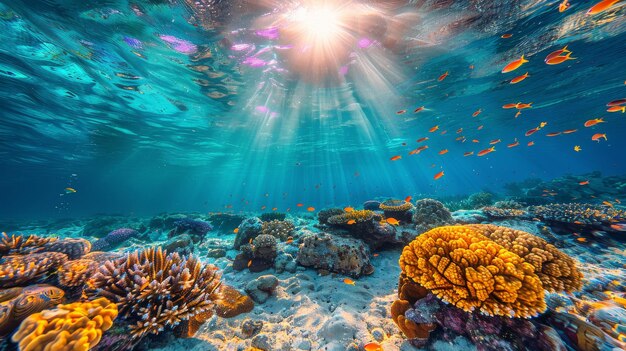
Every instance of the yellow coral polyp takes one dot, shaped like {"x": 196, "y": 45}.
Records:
{"x": 73, "y": 327}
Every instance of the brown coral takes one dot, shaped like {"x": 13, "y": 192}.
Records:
{"x": 76, "y": 326}
{"x": 408, "y": 293}
{"x": 76, "y": 272}
{"x": 501, "y": 213}
{"x": 18, "y": 303}
{"x": 467, "y": 269}
{"x": 155, "y": 290}
{"x": 556, "y": 270}
{"x": 73, "y": 248}
{"x": 357, "y": 215}
{"x": 19, "y": 244}
{"x": 102, "y": 256}
{"x": 398, "y": 209}
{"x": 279, "y": 229}
{"x": 16, "y": 270}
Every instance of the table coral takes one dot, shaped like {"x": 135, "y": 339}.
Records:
{"x": 155, "y": 290}
{"x": 398, "y": 209}
{"x": 16, "y": 270}
{"x": 75, "y": 326}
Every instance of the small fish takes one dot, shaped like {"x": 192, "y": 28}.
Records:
{"x": 601, "y": 7}
{"x": 351, "y": 222}
{"x": 477, "y": 112}
{"x": 486, "y": 151}
{"x": 376, "y": 255}
{"x": 619, "y": 227}
{"x": 459, "y": 131}
{"x": 570, "y": 131}
{"x": 348, "y": 281}
{"x": 508, "y": 106}
{"x": 250, "y": 241}
{"x": 531, "y": 131}
{"x": 480, "y": 127}
{"x": 577, "y": 148}
{"x": 299, "y": 205}
{"x": 518, "y": 113}
{"x": 475, "y": 141}
{"x": 289, "y": 240}
{"x": 598, "y": 136}
{"x": 506, "y": 35}
{"x": 393, "y": 221}
{"x": 617, "y": 102}
{"x": 584, "y": 182}
{"x": 469, "y": 153}
{"x": 543, "y": 124}
{"x": 421, "y": 108}
{"x": 530, "y": 143}
{"x": 495, "y": 141}
{"x": 400, "y": 112}
{"x": 514, "y": 65}
{"x": 617, "y": 200}
{"x": 443, "y": 76}
{"x": 582, "y": 240}
{"x": 70, "y": 190}
{"x": 553, "y": 134}
{"x": 236, "y": 230}
{"x": 263, "y": 207}
{"x": 434, "y": 129}
{"x": 521, "y": 106}
{"x": 606, "y": 203}
{"x": 274, "y": 208}
{"x": 564, "y": 6}
{"x": 403, "y": 144}
{"x": 310, "y": 208}
{"x": 249, "y": 263}
{"x": 616, "y": 109}
{"x": 514, "y": 144}
{"x": 422, "y": 139}
{"x": 556, "y": 53}
{"x": 443, "y": 152}
{"x": 408, "y": 198}
{"x": 373, "y": 346}
{"x": 519, "y": 78}
{"x": 560, "y": 59}
{"x": 396, "y": 158}
{"x": 348, "y": 209}
{"x": 438, "y": 175}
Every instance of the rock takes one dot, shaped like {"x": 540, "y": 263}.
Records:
{"x": 261, "y": 288}
{"x": 285, "y": 262}
{"x": 248, "y": 229}
{"x": 250, "y": 328}
{"x": 263, "y": 342}
{"x": 183, "y": 244}
{"x": 340, "y": 255}
{"x": 216, "y": 253}
{"x": 264, "y": 247}
{"x": 378, "y": 334}
{"x": 225, "y": 222}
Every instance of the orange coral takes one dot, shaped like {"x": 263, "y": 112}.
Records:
{"x": 467, "y": 269}
{"x": 76, "y": 326}
{"x": 20, "y": 244}
{"x": 76, "y": 272}
{"x": 395, "y": 206}
{"x": 18, "y": 303}
{"x": 408, "y": 293}
{"x": 556, "y": 270}
{"x": 18, "y": 270}
{"x": 357, "y": 215}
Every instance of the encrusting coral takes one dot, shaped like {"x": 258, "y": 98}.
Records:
{"x": 430, "y": 213}
{"x": 76, "y": 272}
{"x": 479, "y": 268}
{"x": 155, "y": 290}
{"x": 502, "y": 213}
{"x": 75, "y": 326}
{"x": 357, "y": 215}
{"x": 16, "y": 270}
{"x": 279, "y": 229}
{"x": 18, "y": 303}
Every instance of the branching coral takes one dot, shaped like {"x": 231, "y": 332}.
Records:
{"x": 498, "y": 212}
{"x": 19, "y": 244}
{"x": 155, "y": 290}
{"x": 76, "y": 272}
{"x": 279, "y": 229}
{"x": 18, "y": 303}
{"x": 16, "y": 270}
{"x": 76, "y": 326}
{"x": 357, "y": 215}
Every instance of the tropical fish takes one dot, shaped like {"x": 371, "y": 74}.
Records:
{"x": 274, "y": 208}
{"x": 486, "y": 151}
{"x": 606, "y": 203}
{"x": 434, "y": 129}
{"x": 616, "y": 109}
{"x": 70, "y": 190}
{"x": 249, "y": 263}
{"x": 459, "y": 131}
{"x": 495, "y": 141}
{"x": 289, "y": 240}
{"x": 521, "y": 106}
{"x": 236, "y": 230}
{"x": 518, "y": 113}
{"x": 582, "y": 240}
{"x": 352, "y": 221}
{"x": 530, "y": 143}
{"x": 508, "y": 106}
{"x": 480, "y": 127}
{"x": 475, "y": 141}
{"x": 310, "y": 208}
{"x": 263, "y": 207}
{"x": 477, "y": 112}
{"x": 393, "y": 221}
{"x": 373, "y": 346}
{"x": 619, "y": 227}
{"x": 422, "y": 139}
{"x": 585, "y": 182}
{"x": 469, "y": 153}
{"x": 408, "y": 198}
{"x": 598, "y": 136}
{"x": 443, "y": 76}
{"x": 519, "y": 78}
{"x": 553, "y": 134}
{"x": 577, "y": 148}
{"x": 514, "y": 65}
{"x": 421, "y": 108}
{"x": 438, "y": 175}
{"x": 556, "y": 53}
{"x": 348, "y": 209}
{"x": 514, "y": 144}
{"x": 299, "y": 205}
{"x": 560, "y": 59}
{"x": 564, "y": 6}
{"x": 593, "y": 122}
{"x": 348, "y": 281}
{"x": 506, "y": 35}
{"x": 601, "y": 7}
{"x": 617, "y": 102}
{"x": 443, "y": 152}
{"x": 531, "y": 131}
{"x": 401, "y": 112}
{"x": 395, "y": 158}
{"x": 570, "y": 131}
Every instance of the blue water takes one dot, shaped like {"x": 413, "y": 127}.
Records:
{"x": 115, "y": 100}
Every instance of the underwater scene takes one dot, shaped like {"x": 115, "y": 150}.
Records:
{"x": 312, "y": 175}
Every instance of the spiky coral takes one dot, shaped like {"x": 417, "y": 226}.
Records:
{"x": 73, "y": 248}
{"x": 357, "y": 215}
{"x": 18, "y": 303}
{"x": 16, "y": 270}
{"x": 498, "y": 212}
{"x": 76, "y": 272}
{"x": 76, "y": 326}
{"x": 19, "y": 244}
{"x": 155, "y": 290}
{"x": 279, "y": 229}
{"x": 495, "y": 270}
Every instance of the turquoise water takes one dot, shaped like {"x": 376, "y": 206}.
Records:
{"x": 148, "y": 106}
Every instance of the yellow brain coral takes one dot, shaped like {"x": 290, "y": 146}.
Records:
{"x": 467, "y": 269}
{"x": 73, "y": 327}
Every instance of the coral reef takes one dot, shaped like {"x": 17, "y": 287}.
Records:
{"x": 18, "y": 303}
{"x": 508, "y": 204}
{"x": 340, "y": 255}
{"x": 258, "y": 255}
{"x": 102, "y": 225}
{"x": 358, "y": 216}
{"x": 264, "y": 247}
{"x": 327, "y": 213}
{"x": 398, "y": 209}
{"x": 73, "y": 248}
{"x": 282, "y": 230}
{"x": 76, "y": 326}
{"x": 273, "y": 216}
{"x": 75, "y": 273}
{"x": 16, "y": 270}
{"x": 225, "y": 222}
{"x": 430, "y": 213}
{"x": 114, "y": 239}
{"x": 19, "y": 244}
{"x": 261, "y": 288}
{"x": 155, "y": 290}
{"x": 582, "y": 217}
{"x": 197, "y": 229}
{"x": 247, "y": 231}
{"x": 496, "y": 213}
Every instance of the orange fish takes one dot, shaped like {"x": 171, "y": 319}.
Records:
{"x": 459, "y": 131}
{"x": 471, "y": 66}
{"x": 348, "y": 281}
{"x": 508, "y": 106}
{"x": 310, "y": 208}
{"x": 348, "y": 209}
{"x": 521, "y": 106}
{"x": 263, "y": 207}
{"x": 289, "y": 240}
{"x": 376, "y": 255}
{"x": 443, "y": 152}
{"x": 531, "y": 131}
{"x": 236, "y": 230}
{"x": 421, "y": 108}
{"x": 617, "y": 102}
{"x": 606, "y": 203}
{"x": 553, "y": 134}
{"x": 593, "y": 122}
{"x": 495, "y": 141}
{"x": 570, "y": 131}
{"x": 530, "y": 143}
{"x": 373, "y": 346}
{"x": 469, "y": 153}
{"x": 438, "y": 175}
{"x": 396, "y": 158}
{"x": 401, "y": 112}
{"x": 617, "y": 200}
{"x": 601, "y": 7}
{"x": 422, "y": 139}
{"x": 434, "y": 129}
{"x": 598, "y": 136}
{"x": 518, "y": 113}
{"x": 582, "y": 240}
{"x": 249, "y": 263}
{"x": 506, "y": 35}
{"x": 443, "y": 76}
{"x": 460, "y": 138}
{"x": 299, "y": 205}
{"x": 619, "y": 227}
{"x": 480, "y": 127}
{"x": 477, "y": 112}
{"x": 519, "y": 78}
{"x": 352, "y": 221}
{"x": 475, "y": 141}
{"x": 274, "y": 208}
{"x": 564, "y": 6}
{"x": 514, "y": 65}
{"x": 408, "y": 199}
{"x": 392, "y": 221}
{"x": 486, "y": 151}
{"x": 585, "y": 182}
{"x": 616, "y": 109}
{"x": 556, "y": 53}
{"x": 560, "y": 59}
